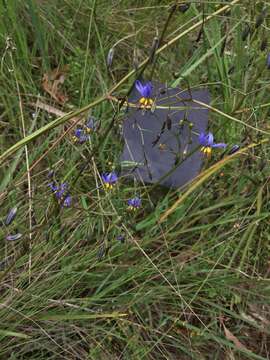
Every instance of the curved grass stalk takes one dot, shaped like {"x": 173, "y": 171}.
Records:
{"x": 205, "y": 175}
{"x": 70, "y": 115}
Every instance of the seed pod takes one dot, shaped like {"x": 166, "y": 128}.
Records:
{"x": 110, "y": 57}
{"x": 264, "y": 44}
{"x": 231, "y": 70}
{"x": 268, "y": 61}
{"x": 234, "y": 149}
{"x": 102, "y": 252}
{"x": 169, "y": 122}
{"x": 121, "y": 238}
{"x": 223, "y": 46}
{"x": 199, "y": 35}
{"x": 11, "y": 216}
{"x": 185, "y": 151}
{"x": 162, "y": 91}
{"x": 245, "y": 32}
{"x": 14, "y": 237}
{"x": 260, "y": 18}
{"x": 154, "y": 47}
{"x": 181, "y": 122}
{"x": 50, "y": 173}
{"x": 135, "y": 59}
{"x": 183, "y": 8}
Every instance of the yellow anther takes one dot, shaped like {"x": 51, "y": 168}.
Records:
{"x": 146, "y": 102}
{"x": 108, "y": 186}
{"x": 142, "y": 101}
{"x": 207, "y": 150}
{"x": 131, "y": 208}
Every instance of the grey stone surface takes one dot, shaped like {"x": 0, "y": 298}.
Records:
{"x": 155, "y": 141}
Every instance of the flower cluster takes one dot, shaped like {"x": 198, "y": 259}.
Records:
{"x": 110, "y": 180}
{"x": 207, "y": 143}
{"x": 61, "y": 193}
{"x": 145, "y": 91}
{"x": 81, "y": 135}
{"x": 134, "y": 203}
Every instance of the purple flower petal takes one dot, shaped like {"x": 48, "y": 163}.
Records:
{"x": 144, "y": 90}
{"x": 83, "y": 138}
{"x": 53, "y": 186}
{"x": 139, "y": 86}
{"x": 202, "y": 140}
{"x": 14, "y": 237}
{"x": 219, "y": 145}
{"x": 109, "y": 178}
{"x": 206, "y": 139}
{"x": 78, "y": 132}
{"x": 10, "y": 216}
{"x": 135, "y": 202}
{"x": 91, "y": 123}
{"x": 67, "y": 201}
{"x": 210, "y": 139}
{"x": 148, "y": 90}
{"x": 81, "y": 135}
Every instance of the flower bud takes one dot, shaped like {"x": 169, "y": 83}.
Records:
{"x": 234, "y": 149}
{"x": 263, "y": 44}
{"x": 245, "y": 32}
{"x": 10, "y": 216}
{"x": 260, "y": 19}
{"x": 110, "y": 57}
{"x": 268, "y": 61}
{"x": 14, "y": 237}
{"x": 183, "y": 8}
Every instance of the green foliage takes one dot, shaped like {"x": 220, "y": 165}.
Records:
{"x": 69, "y": 288}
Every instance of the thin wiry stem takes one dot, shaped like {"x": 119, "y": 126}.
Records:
{"x": 29, "y": 191}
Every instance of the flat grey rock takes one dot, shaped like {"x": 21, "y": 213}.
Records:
{"x": 156, "y": 141}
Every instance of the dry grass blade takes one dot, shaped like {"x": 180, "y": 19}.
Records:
{"x": 229, "y": 335}
{"x": 201, "y": 178}
{"x": 52, "y": 82}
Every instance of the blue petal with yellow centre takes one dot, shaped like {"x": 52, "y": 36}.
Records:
{"x": 207, "y": 143}
{"x": 134, "y": 203}
{"x": 145, "y": 91}
{"x": 109, "y": 179}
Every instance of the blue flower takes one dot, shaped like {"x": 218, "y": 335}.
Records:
{"x": 207, "y": 142}
{"x": 61, "y": 190}
{"x": 134, "y": 203}
{"x": 80, "y": 136}
{"x": 67, "y": 201}
{"x": 53, "y": 186}
{"x": 91, "y": 125}
{"x": 109, "y": 179}
{"x": 61, "y": 193}
{"x": 145, "y": 92}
